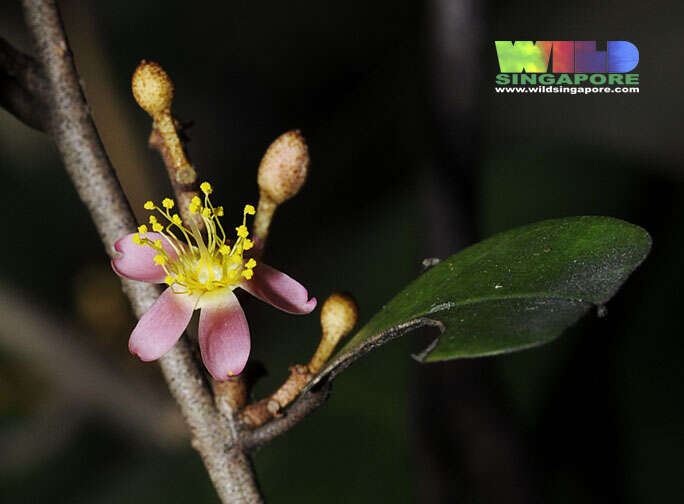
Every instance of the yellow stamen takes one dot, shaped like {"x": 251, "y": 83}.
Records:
{"x": 202, "y": 262}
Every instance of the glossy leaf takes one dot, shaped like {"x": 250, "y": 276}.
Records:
{"x": 516, "y": 290}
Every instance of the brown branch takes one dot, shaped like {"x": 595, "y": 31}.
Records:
{"x": 339, "y": 314}
{"x": 300, "y": 409}
{"x": 86, "y": 162}
{"x": 23, "y": 89}
{"x": 262, "y": 411}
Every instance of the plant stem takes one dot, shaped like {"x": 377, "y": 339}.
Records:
{"x": 85, "y": 160}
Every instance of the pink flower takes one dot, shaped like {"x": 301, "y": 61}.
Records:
{"x": 202, "y": 273}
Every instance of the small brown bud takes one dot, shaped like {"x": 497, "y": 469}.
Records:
{"x": 152, "y": 88}
{"x": 284, "y": 167}
{"x": 338, "y": 316}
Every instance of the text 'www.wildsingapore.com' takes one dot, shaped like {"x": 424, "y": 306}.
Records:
{"x": 566, "y": 67}
{"x": 566, "y": 90}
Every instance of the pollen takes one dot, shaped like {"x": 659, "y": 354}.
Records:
{"x": 194, "y": 261}
{"x": 242, "y": 231}
{"x": 195, "y": 204}
{"x": 160, "y": 259}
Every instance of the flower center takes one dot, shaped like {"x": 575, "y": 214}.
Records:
{"x": 201, "y": 265}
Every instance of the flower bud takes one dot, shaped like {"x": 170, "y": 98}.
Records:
{"x": 152, "y": 88}
{"x": 284, "y": 167}
{"x": 338, "y": 316}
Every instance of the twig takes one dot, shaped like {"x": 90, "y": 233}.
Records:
{"x": 262, "y": 411}
{"x": 87, "y": 164}
{"x": 338, "y": 316}
{"x": 22, "y": 87}
{"x": 184, "y": 192}
{"x": 300, "y": 409}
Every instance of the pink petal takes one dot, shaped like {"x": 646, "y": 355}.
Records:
{"x": 159, "y": 329}
{"x": 278, "y": 289}
{"x": 136, "y": 262}
{"x": 223, "y": 335}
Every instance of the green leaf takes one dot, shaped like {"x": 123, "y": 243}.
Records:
{"x": 516, "y": 290}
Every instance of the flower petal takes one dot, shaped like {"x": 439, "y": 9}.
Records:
{"x": 223, "y": 335}
{"x": 276, "y": 288}
{"x": 161, "y": 326}
{"x": 137, "y": 262}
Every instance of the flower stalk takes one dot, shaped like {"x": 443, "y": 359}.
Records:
{"x": 153, "y": 90}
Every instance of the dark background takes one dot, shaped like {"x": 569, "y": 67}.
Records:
{"x": 413, "y": 156}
